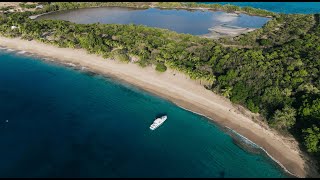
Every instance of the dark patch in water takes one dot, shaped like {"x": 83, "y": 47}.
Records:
{"x": 247, "y": 147}
{"x": 160, "y": 115}
{"x": 222, "y": 174}
{"x": 244, "y": 143}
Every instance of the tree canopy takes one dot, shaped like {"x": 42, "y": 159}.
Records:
{"x": 278, "y": 77}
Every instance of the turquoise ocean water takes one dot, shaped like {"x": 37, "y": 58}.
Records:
{"x": 280, "y": 7}
{"x": 61, "y": 122}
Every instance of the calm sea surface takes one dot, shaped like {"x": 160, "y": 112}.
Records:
{"x": 281, "y": 7}
{"x": 182, "y": 21}
{"x": 60, "y": 122}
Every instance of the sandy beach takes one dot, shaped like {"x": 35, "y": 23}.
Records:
{"x": 220, "y": 31}
{"x": 184, "y": 92}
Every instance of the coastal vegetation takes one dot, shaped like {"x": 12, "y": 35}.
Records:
{"x": 28, "y": 6}
{"x": 161, "y": 67}
{"x": 277, "y": 77}
{"x": 281, "y": 29}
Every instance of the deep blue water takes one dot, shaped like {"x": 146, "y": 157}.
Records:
{"x": 182, "y": 21}
{"x": 67, "y": 123}
{"x": 281, "y": 7}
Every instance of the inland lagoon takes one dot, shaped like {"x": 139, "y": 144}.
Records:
{"x": 195, "y": 22}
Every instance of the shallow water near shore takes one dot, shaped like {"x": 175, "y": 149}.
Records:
{"x": 60, "y": 122}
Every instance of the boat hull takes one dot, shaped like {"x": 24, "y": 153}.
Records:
{"x": 158, "y": 122}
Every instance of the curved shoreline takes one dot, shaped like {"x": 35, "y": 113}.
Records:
{"x": 284, "y": 168}
{"x": 179, "y": 90}
{"x": 33, "y": 17}
{"x": 233, "y": 131}
{"x": 201, "y": 8}
{"x": 214, "y": 32}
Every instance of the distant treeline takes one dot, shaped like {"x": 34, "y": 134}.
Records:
{"x": 277, "y": 77}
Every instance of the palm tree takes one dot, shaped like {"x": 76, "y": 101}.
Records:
{"x": 226, "y": 92}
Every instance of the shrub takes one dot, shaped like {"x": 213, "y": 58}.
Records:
{"x": 161, "y": 67}
{"x": 121, "y": 56}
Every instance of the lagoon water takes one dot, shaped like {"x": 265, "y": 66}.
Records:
{"x": 60, "y": 122}
{"x": 194, "y": 22}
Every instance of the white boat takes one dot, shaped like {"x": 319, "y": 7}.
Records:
{"x": 156, "y": 123}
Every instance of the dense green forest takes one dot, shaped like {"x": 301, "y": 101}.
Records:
{"x": 277, "y": 77}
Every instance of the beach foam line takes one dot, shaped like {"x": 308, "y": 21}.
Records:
{"x": 22, "y": 52}
{"x": 243, "y": 138}
{"x": 70, "y": 64}
{"x": 246, "y": 140}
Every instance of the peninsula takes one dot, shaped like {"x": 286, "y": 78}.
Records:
{"x": 263, "y": 84}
